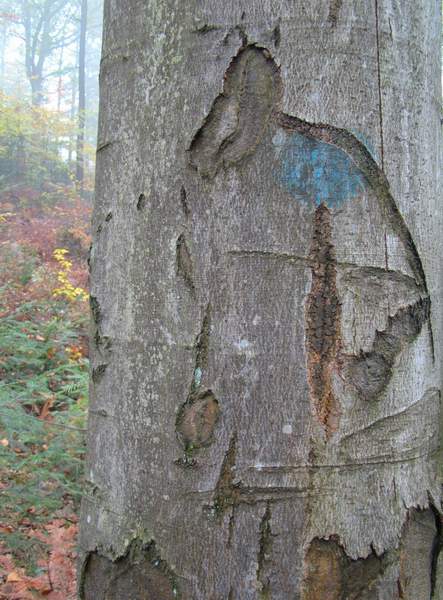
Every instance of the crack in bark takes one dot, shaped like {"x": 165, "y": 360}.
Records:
{"x": 323, "y": 317}
{"x": 380, "y": 103}
{"x": 184, "y": 264}
{"x": 197, "y": 417}
{"x": 264, "y": 551}
{"x": 184, "y": 202}
{"x": 141, "y": 202}
{"x": 226, "y": 492}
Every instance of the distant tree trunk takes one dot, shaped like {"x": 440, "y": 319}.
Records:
{"x": 37, "y": 47}
{"x": 72, "y": 137}
{"x": 266, "y": 303}
{"x": 60, "y": 79}
{"x": 79, "y": 167}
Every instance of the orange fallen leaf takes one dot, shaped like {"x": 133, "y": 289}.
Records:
{"x": 13, "y": 576}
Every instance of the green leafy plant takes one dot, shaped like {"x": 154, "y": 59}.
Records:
{"x": 43, "y": 400}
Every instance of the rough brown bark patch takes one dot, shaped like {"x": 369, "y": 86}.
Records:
{"x": 331, "y": 575}
{"x": 323, "y": 322}
{"x": 140, "y": 575}
{"x": 196, "y": 420}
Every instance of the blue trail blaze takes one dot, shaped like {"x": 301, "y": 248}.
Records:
{"x": 316, "y": 172}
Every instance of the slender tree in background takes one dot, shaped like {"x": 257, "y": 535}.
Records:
{"x": 79, "y": 170}
{"x": 266, "y": 302}
{"x": 44, "y": 28}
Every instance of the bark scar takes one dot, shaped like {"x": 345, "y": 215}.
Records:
{"x": 239, "y": 116}
{"x": 323, "y": 317}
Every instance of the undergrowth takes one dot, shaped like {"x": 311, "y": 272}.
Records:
{"x": 43, "y": 401}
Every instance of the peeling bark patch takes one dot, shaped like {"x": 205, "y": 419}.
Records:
{"x": 239, "y": 116}
{"x": 323, "y": 316}
{"x": 371, "y": 372}
{"x": 332, "y": 575}
{"x": 196, "y": 420}
{"x": 140, "y": 575}
{"x": 264, "y": 552}
{"x": 334, "y": 10}
{"x": 184, "y": 262}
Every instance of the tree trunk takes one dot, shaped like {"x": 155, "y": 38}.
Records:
{"x": 266, "y": 345}
{"x": 79, "y": 164}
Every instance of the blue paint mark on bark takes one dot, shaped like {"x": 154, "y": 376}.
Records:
{"x": 316, "y": 172}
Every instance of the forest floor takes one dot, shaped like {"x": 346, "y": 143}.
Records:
{"x": 43, "y": 393}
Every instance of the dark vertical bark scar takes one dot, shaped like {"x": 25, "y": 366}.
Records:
{"x": 264, "y": 551}
{"x": 371, "y": 372}
{"x": 239, "y": 116}
{"x": 226, "y": 492}
{"x": 197, "y": 417}
{"x": 184, "y": 201}
{"x": 141, "y": 574}
{"x": 234, "y": 127}
{"x": 330, "y": 573}
{"x": 101, "y": 343}
{"x": 141, "y": 202}
{"x": 323, "y": 316}
{"x": 334, "y": 11}
{"x": 276, "y": 36}
{"x": 377, "y": 180}
{"x": 437, "y": 546}
{"x": 202, "y": 342}
{"x": 184, "y": 262}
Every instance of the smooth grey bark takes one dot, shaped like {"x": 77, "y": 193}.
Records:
{"x": 266, "y": 346}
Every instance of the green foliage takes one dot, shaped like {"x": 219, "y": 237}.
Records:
{"x": 32, "y": 143}
{"x": 43, "y": 397}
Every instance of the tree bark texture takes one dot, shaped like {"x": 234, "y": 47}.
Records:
{"x": 266, "y": 342}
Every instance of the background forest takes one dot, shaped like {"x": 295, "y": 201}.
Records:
{"x": 49, "y": 61}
